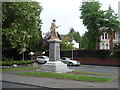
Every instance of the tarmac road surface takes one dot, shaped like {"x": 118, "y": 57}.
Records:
{"x": 94, "y": 68}
{"x": 97, "y": 69}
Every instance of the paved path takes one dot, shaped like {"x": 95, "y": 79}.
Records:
{"x": 16, "y": 85}
{"x": 56, "y": 83}
{"x": 59, "y": 83}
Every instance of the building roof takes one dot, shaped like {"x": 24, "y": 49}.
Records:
{"x": 64, "y": 37}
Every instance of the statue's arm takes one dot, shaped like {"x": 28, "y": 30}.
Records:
{"x": 58, "y": 26}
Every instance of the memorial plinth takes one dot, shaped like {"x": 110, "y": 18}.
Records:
{"x": 54, "y": 64}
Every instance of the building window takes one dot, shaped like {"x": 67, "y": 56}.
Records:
{"x": 102, "y": 46}
{"x": 104, "y": 36}
{"x": 107, "y": 46}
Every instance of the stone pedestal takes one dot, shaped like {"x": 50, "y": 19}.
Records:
{"x": 54, "y": 49}
{"x": 54, "y": 64}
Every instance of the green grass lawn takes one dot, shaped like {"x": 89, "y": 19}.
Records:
{"x": 74, "y": 75}
{"x": 92, "y": 73}
{"x": 19, "y": 69}
{"x": 66, "y": 76}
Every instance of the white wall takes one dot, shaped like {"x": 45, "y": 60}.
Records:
{"x": 76, "y": 45}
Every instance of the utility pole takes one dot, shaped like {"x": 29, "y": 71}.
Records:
{"x": 72, "y": 46}
{"x": 23, "y": 55}
{"x": 72, "y": 31}
{"x": 23, "y": 50}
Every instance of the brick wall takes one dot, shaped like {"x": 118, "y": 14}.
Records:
{"x": 99, "y": 61}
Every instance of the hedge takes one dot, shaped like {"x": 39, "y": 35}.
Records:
{"x": 116, "y": 54}
{"x": 11, "y": 63}
{"x": 88, "y": 53}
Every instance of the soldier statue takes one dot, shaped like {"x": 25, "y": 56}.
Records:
{"x": 53, "y": 27}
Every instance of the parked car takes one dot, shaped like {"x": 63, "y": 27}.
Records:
{"x": 42, "y": 59}
{"x": 69, "y": 62}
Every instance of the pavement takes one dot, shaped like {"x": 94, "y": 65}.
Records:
{"x": 54, "y": 83}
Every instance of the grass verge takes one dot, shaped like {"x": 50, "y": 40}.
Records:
{"x": 19, "y": 69}
{"x": 66, "y": 76}
{"x": 92, "y": 73}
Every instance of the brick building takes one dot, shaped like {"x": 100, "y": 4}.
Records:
{"x": 108, "y": 41}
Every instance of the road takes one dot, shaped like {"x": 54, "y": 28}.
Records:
{"x": 93, "y": 68}
{"x": 97, "y": 69}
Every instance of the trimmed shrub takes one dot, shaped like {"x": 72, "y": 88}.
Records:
{"x": 10, "y": 63}
{"x": 116, "y": 54}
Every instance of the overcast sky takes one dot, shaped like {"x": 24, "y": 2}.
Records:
{"x": 66, "y": 13}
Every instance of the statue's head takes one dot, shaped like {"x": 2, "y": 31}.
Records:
{"x": 53, "y": 20}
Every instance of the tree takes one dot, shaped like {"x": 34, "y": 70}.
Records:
{"x": 84, "y": 41}
{"x": 66, "y": 45}
{"x": 74, "y": 35}
{"x": 96, "y": 19}
{"x": 91, "y": 15}
{"x": 111, "y": 20}
{"x": 21, "y": 27}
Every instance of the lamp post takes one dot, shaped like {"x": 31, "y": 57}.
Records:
{"x": 23, "y": 50}
{"x": 72, "y": 46}
{"x": 23, "y": 55}
{"x": 72, "y": 32}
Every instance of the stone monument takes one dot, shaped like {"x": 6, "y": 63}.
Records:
{"x": 54, "y": 64}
